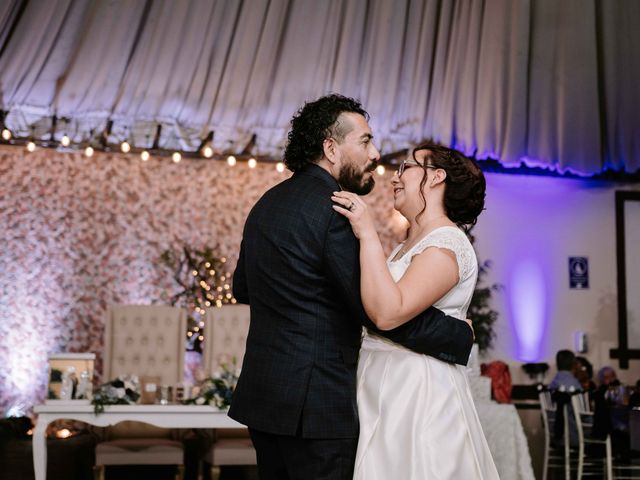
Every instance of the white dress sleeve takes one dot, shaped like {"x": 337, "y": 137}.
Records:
{"x": 452, "y": 239}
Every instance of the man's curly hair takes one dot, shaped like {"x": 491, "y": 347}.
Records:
{"x": 313, "y": 124}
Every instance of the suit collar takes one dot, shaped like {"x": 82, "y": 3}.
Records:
{"x": 321, "y": 174}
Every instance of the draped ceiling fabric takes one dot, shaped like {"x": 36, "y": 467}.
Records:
{"x": 543, "y": 82}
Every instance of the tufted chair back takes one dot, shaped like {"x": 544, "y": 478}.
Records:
{"x": 145, "y": 340}
{"x": 148, "y": 341}
{"x": 225, "y": 338}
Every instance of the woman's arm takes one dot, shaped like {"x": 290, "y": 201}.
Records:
{"x": 430, "y": 276}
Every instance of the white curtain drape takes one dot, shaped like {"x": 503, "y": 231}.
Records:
{"x": 543, "y": 82}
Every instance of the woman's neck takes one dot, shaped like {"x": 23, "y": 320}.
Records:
{"x": 419, "y": 227}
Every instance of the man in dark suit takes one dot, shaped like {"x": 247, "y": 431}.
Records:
{"x": 299, "y": 271}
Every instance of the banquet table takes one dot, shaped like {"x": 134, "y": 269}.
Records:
{"x": 500, "y": 423}
{"x": 165, "y": 416}
{"x": 504, "y": 433}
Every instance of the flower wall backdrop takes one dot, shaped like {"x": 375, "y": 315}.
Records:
{"x": 78, "y": 234}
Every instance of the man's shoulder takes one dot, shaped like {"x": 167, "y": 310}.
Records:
{"x": 316, "y": 178}
{"x": 306, "y": 189}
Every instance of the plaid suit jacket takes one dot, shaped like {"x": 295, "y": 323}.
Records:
{"x": 299, "y": 271}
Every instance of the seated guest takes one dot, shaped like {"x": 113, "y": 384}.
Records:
{"x": 634, "y": 399}
{"x": 611, "y": 412}
{"x": 565, "y": 381}
{"x": 562, "y": 385}
{"x": 583, "y": 371}
{"x": 607, "y": 378}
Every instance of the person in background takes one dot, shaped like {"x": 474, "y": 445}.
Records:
{"x": 565, "y": 380}
{"x": 634, "y": 399}
{"x": 610, "y": 412}
{"x": 607, "y": 378}
{"x": 583, "y": 371}
{"x": 562, "y": 386}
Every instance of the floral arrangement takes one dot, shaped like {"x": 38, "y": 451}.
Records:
{"x": 217, "y": 390}
{"x": 124, "y": 390}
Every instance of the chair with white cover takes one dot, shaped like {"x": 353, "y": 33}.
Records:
{"x": 590, "y": 464}
{"x": 554, "y": 458}
{"x": 147, "y": 341}
{"x": 631, "y": 469}
{"x": 226, "y": 330}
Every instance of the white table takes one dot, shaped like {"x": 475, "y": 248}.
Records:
{"x": 165, "y": 416}
{"x": 508, "y": 444}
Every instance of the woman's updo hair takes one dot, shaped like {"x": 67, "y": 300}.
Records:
{"x": 465, "y": 185}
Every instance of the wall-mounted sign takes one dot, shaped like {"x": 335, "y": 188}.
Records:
{"x": 578, "y": 272}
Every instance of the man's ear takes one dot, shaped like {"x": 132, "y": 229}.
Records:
{"x": 330, "y": 149}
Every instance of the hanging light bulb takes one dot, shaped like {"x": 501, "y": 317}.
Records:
{"x": 63, "y": 433}
{"x": 88, "y": 151}
{"x": 125, "y": 147}
{"x": 65, "y": 141}
{"x": 31, "y": 146}
{"x": 231, "y": 160}
{"x": 144, "y": 155}
{"x": 176, "y": 157}
{"x": 280, "y": 167}
{"x": 207, "y": 151}
{"x": 252, "y": 162}
{"x": 380, "y": 169}
{"x": 6, "y": 134}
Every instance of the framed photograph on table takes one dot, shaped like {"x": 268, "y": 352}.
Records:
{"x": 70, "y": 377}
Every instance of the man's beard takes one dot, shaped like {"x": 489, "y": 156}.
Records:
{"x": 353, "y": 181}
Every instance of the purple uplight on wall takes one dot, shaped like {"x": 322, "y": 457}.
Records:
{"x": 528, "y": 302}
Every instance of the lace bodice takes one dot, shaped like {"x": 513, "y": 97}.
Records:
{"x": 457, "y": 300}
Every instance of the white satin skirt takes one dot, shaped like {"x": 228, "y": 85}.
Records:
{"x": 417, "y": 418}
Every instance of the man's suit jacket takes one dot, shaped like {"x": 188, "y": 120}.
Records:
{"x": 299, "y": 271}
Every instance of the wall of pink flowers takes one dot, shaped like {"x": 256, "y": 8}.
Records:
{"x": 78, "y": 234}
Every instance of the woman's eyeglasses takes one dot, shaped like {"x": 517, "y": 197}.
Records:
{"x": 411, "y": 163}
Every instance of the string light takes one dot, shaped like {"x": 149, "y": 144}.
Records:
{"x": 63, "y": 433}
{"x": 125, "y": 147}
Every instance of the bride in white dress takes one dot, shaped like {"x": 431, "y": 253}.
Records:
{"x": 417, "y": 417}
